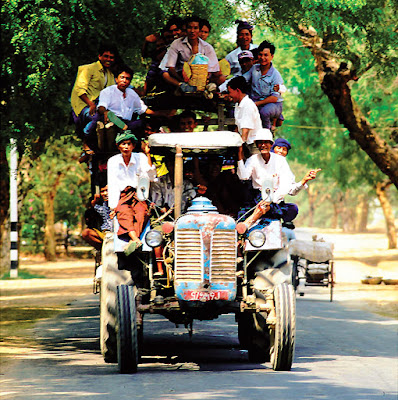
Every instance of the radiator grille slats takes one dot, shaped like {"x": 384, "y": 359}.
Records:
{"x": 189, "y": 256}
{"x": 223, "y": 256}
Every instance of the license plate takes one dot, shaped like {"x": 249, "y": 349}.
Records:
{"x": 206, "y": 296}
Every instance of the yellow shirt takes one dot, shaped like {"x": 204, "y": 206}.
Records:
{"x": 161, "y": 168}
{"x": 90, "y": 80}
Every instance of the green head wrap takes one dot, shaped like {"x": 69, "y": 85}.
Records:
{"x": 125, "y": 135}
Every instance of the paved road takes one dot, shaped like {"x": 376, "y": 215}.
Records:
{"x": 340, "y": 354}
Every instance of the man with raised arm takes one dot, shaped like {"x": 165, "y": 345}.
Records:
{"x": 274, "y": 167}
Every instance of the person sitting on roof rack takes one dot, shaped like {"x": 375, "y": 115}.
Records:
{"x": 245, "y": 42}
{"x": 264, "y": 79}
{"x": 205, "y": 29}
{"x": 90, "y": 80}
{"x": 181, "y": 51}
{"x": 246, "y": 61}
{"x": 121, "y": 105}
{"x": 155, "y": 46}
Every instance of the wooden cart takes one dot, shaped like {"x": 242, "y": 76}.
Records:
{"x": 312, "y": 263}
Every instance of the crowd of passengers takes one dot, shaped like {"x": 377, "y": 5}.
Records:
{"x": 102, "y": 95}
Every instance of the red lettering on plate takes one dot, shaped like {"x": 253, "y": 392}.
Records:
{"x": 197, "y": 295}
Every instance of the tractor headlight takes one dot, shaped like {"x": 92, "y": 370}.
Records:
{"x": 153, "y": 238}
{"x": 257, "y": 238}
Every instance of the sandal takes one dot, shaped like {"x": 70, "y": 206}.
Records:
{"x": 131, "y": 247}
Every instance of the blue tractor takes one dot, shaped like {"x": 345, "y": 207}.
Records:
{"x": 213, "y": 265}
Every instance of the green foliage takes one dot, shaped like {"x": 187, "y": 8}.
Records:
{"x": 56, "y": 172}
{"x": 44, "y": 42}
{"x": 32, "y": 221}
{"x": 361, "y": 32}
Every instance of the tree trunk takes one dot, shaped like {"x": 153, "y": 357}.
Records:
{"x": 362, "y": 214}
{"x": 312, "y": 196}
{"x": 335, "y": 217}
{"x": 382, "y": 194}
{"x": 4, "y": 212}
{"x": 49, "y": 233}
{"x": 334, "y": 78}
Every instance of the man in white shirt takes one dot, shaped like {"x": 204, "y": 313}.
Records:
{"x": 123, "y": 104}
{"x": 124, "y": 171}
{"x": 247, "y": 116}
{"x": 181, "y": 51}
{"x": 272, "y": 166}
{"x": 244, "y": 39}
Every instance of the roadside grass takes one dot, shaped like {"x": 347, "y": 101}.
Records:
{"x": 22, "y": 274}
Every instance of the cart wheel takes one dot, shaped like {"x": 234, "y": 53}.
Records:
{"x": 295, "y": 273}
{"x": 331, "y": 279}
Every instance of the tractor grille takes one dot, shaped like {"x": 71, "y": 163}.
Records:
{"x": 223, "y": 256}
{"x": 188, "y": 255}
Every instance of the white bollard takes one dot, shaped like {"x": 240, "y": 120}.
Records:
{"x": 13, "y": 209}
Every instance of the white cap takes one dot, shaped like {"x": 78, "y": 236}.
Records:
{"x": 264, "y": 134}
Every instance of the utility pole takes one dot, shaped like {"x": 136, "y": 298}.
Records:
{"x": 13, "y": 209}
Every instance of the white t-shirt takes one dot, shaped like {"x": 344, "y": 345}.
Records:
{"x": 181, "y": 50}
{"x": 247, "y": 116}
{"x": 121, "y": 175}
{"x": 112, "y": 99}
{"x": 277, "y": 168}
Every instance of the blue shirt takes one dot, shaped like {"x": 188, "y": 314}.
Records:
{"x": 104, "y": 211}
{"x": 262, "y": 86}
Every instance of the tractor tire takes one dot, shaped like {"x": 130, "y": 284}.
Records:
{"x": 259, "y": 340}
{"x": 111, "y": 278}
{"x": 127, "y": 334}
{"x": 283, "y": 334}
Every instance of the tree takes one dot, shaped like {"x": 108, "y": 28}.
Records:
{"x": 43, "y": 42}
{"x": 57, "y": 179}
{"x": 347, "y": 38}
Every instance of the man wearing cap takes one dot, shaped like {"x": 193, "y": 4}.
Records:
{"x": 282, "y": 146}
{"x": 244, "y": 39}
{"x": 247, "y": 116}
{"x": 267, "y": 164}
{"x": 124, "y": 170}
{"x": 246, "y": 61}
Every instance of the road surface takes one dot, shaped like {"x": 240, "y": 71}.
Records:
{"x": 341, "y": 353}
